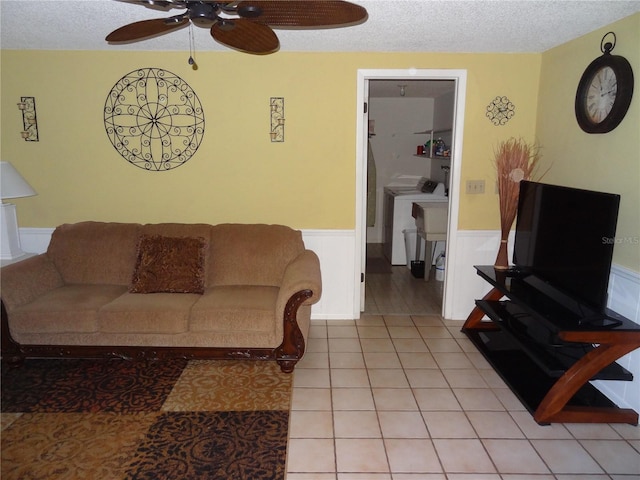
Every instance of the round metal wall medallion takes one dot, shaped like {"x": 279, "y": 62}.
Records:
{"x": 154, "y": 119}
{"x": 500, "y": 110}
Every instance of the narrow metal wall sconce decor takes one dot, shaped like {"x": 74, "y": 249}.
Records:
{"x": 29, "y": 120}
{"x": 277, "y": 119}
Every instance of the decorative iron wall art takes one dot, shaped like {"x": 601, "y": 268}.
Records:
{"x": 276, "y": 108}
{"x": 154, "y": 119}
{"x": 500, "y": 110}
{"x": 27, "y": 106}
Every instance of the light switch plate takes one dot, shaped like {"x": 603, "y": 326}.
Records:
{"x": 475, "y": 186}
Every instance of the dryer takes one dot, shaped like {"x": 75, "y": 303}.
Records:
{"x": 397, "y": 205}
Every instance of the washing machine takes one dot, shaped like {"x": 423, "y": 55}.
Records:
{"x": 397, "y": 205}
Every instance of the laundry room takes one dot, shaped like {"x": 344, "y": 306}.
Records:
{"x": 410, "y": 141}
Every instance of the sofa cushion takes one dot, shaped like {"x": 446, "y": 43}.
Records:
{"x": 235, "y": 308}
{"x": 67, "y": 309}
{"x": 251, "y": 254}
{"x": 95, "y": 252}
{"x": 169, "y": 265}
{"x": 159, "y": 313}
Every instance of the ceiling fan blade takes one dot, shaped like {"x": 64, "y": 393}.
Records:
{"x": 302, "y": 13}
{"x": 246, "y": 36}
{"x": 146, "y": 28}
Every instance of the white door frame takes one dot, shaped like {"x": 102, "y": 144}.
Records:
{"x": 362, "y": 96}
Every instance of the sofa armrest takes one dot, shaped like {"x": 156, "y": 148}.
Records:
{"x": 301, "y": 287}
{"x": 302, "y": 273}
{"x": 25, "y": 281}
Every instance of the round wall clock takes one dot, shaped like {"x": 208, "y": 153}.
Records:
{"x": 604, "y": 92}
{"x": 154, "y": 119}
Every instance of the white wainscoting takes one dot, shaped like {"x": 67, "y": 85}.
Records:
{"x": 473, "y": 247}
{"x": 336, "y": 250}
{"x": 624, "y": 298}
{"x": 35, "y": 240}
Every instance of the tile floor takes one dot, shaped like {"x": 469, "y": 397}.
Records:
{"x": 398, "y": 292}
{"x": 405, "y": 396}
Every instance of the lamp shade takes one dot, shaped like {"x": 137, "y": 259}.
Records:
{"x": 12, "y": 185}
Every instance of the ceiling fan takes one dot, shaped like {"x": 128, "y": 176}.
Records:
{"x": 244, "y": 25}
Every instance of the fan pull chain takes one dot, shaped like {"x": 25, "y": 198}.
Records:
{"x": 192, "y": 62}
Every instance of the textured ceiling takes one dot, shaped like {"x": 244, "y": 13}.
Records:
{"x": 393, "y": 26}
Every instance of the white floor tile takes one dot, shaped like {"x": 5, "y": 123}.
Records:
{"x": 566, "y": 456}
{"x": 402, "y": 425}
{"x": 463, "y": 456}
{"x": 394, "y": 399}
{"x": 407, "y": 397}
{"x": 494, "y": 425}
{"x": 352, "y": 399}
{"x": 310, "y": 424}
{"x": 361, "y": 455}
{"x": 307, "y": 455}
{"x": 412, "y": 456}
{"x": 514, "y": 456}
{"x": 349, "y": 377}
{"x": 356, "y": 424}
{"x": 438, "y": 399}
{"x": 449, "y": 425}
{"x": 311, "y": 399}
{"x": 311, "y": 377}
{"x": 615, "y": 456}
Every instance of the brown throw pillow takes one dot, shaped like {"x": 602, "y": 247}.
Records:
{"x": 170, "y": 265}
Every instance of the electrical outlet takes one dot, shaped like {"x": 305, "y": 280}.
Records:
{"x": 475, "y": 186}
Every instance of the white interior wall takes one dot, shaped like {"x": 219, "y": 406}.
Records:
{"x": 443, "y": 110}
{"x": 394, "y": 146}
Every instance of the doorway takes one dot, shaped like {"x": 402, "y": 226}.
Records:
{"x": 373, "y": 78}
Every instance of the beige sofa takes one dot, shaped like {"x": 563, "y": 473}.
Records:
{"x": 162, "y": 290}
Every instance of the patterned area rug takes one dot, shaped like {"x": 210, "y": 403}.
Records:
{"x": 116, "y": 419}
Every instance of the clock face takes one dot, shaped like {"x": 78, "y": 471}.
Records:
{"x": 601, "y": 94}
{"x": 604, "y": 94}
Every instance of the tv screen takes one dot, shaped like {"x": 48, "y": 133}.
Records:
{"x": 565, "y": 238}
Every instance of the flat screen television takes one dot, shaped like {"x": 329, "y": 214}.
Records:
{"x": 564, "y": 241}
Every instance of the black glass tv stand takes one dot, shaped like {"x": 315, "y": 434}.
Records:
{"x": 547, "y": 352}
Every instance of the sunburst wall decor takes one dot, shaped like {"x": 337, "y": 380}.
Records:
{"x": 154, "y": 119}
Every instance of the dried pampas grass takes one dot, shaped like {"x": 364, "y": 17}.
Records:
{"x": 515, "y": 160}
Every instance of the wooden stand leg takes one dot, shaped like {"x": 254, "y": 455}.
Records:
{"x": 475, "y": 317}
{"x": 553, "y": 407}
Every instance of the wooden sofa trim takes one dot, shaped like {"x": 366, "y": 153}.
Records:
{"x": 287, "y": 354}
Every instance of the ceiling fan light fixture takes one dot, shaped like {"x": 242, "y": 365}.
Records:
{"x": 157, "y": 3}
{"x": 203, "y": 13}
{"x": 226, "y": 25}
{"x": 249, "y": 11}
{"x": 176, "y": 19}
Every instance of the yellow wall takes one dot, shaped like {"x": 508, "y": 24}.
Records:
{"x": 237, "y": 174}
{"x": 607, "y": 162}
